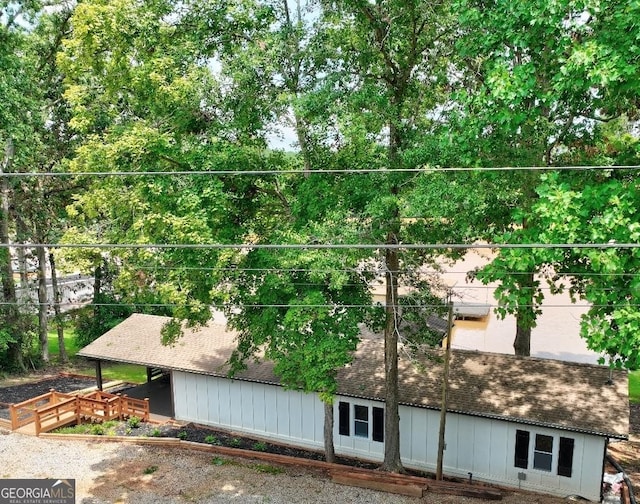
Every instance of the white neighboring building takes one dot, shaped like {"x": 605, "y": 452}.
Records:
{"x": 556, "y": 335}
{"x": 530, "y": 423}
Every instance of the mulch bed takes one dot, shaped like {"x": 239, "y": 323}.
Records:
{"x": 206, "y": 435}
{"x": 62, "y": 383}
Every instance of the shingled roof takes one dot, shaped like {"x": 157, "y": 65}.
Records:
{"x": 565, "y": 395}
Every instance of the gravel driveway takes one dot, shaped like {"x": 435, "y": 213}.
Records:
{"x": 107, "y": 473}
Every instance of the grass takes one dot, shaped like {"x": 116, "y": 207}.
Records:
{"x": 126, "y": 372}
{"x": 102, "y": 429}
{"x": 634, "y": 386}
{"x": 69, "y": 343}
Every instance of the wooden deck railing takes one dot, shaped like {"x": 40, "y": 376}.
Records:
{"x": 56, "y": 415}
{"x": 134, "y": 407}
{"x": 24, "y": 413}
{"x": 102, "y": 409}
{"x": 54, "y": 409}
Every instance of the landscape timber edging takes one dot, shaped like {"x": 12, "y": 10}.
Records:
{"x": 333, "y": 469}
{"x": 192, "y": 445}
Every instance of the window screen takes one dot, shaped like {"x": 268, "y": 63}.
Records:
{"x": 565, "y": 457}
{"x": 378, "y": 424}
{"x": 543, "y": 452}
{"x": 522, "y": 449}
{"x": 344, "y": 421}
{"x": 361, "y": 421}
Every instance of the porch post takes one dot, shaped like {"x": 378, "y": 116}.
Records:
{"x": 99, "y": 374}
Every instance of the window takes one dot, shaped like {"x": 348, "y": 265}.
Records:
{"x": 545, "y": 451}
{"x": 368, "y": 422}
{"x": 565, "y": 457}
{"x": 361, "y": 421}
{"x": 522, "y": 449}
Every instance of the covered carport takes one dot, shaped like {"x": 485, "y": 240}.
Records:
{"x": 137, "y": 340}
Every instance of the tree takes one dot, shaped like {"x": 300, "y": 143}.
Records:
{"x": 528, "y": 96}
{"x": 391, "y": 57}
{"x": 18, "y": 120}
{"x": 599, "y": 207}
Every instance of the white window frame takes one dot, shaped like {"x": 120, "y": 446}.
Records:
{"x": 555, "y": 453}
{"x": 353, "y": 421}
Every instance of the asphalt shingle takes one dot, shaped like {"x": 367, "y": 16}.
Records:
{"x": 552, "y": 393}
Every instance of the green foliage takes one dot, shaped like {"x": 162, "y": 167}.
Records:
{"x": 267, "y": 469}
{"x": 150, "y": 469}
{"x": 22, "y": 332}
{"x": 182, "y": 435}
{"x": 634, "y": 387}
{"x": 219, "y": 461}
{"x": 259, "y": 446}
{"x": 211, "y": 439}
{"x": 598, "y": 209}
{"x": 235, "y": 443}
{"x": 134, "y": 422}
{"x": 156, "y": 432}
{"x": 97, "y": 429}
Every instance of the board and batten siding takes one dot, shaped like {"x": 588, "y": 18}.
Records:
{"x": 267, "y": 411}
{"x": 481, "y": 446}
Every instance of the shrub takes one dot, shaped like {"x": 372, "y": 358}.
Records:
{"x": 156, "y": 432}
{"x": 235, "y": 442}
{"x": 210, "y": 439}
{"x": 134, "y": 422}
{"x": 97, "y": 430}
{"x": 183, "y": 435}
{"x": 151, "y": 469}
{"x": 260, "y": 446}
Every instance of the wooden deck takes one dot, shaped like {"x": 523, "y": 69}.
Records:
{"x": 52, "y": 410}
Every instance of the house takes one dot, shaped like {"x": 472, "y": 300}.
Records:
{"x": 530, "y": 423}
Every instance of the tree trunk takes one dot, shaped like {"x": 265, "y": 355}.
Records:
{"x": 329, "y": 452}
{"x": 43, "y": 303}
{"x": 522, "y": 342}
{"x": 392, "y": 461}
{"x": 525, "y": 318}
{"x": 22, "y": 257}
{"x": 57, "y": 296}
{"x": 445, "y": 394}
{"x": 14, "y": 351}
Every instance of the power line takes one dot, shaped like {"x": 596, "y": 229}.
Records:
{"x": 361, "y": 270}
{"x": 288, "y": 305}
{"x": 327, "y": 246}
{"x": 319, "y": 171}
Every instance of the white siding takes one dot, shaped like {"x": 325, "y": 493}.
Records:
{"x": 481, "y": 446}
{"x": 254, "y": 408}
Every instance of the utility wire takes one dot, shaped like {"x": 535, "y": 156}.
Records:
{"x": 357, "y": 270}
{"x": 320, "y": 171}
{"x": 289, "y": 305}
{"x": 328, "y": 246}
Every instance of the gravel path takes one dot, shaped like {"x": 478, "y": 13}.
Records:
{"x": 108, "y": 473}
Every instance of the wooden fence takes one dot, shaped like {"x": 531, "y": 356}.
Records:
{"x": 54, "y": 409}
